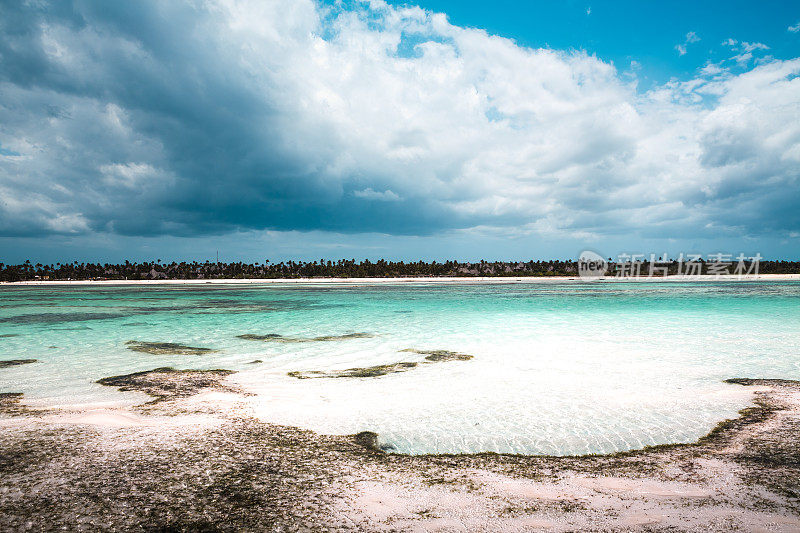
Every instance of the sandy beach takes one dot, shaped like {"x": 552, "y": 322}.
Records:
{"x": 191, "y": 457}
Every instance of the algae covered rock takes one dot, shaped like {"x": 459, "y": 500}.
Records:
{"x": 275, "y": 337}
{"x": 437, "y": 356}
{"x": 167, "y": 348}
{"x": 15, "y": 362}
{"x": 11, "y": 405}
{"x": 431, "y": 356}
{"x": 365, "y": 372}
{"x": 167, "y": 382}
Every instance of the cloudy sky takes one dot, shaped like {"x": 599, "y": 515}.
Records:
{"x": 444, "y": 129}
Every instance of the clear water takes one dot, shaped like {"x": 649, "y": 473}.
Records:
{"x": 558, "y": 368}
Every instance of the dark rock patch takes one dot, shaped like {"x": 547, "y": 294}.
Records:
{"x": 166, "y": 348}
{"x": 168, "y": 383}
{"x": 749, "y": 382}
{"x": 10, "y": 397}
{"x": 274, "y": 337}
{"x": 437, "y": 356}
{"x": 7, "y": 335}
{"x": 367, "y": 372}
{"x": 10, "y": 405}
{"x": 432, "y": 356}
{"x": 255, "y": 362}
{"x": 254, "y": 337}
{"x": 56, "y": 318}
{"x": 14, "y": 362}
{"x": 368, "y": 439}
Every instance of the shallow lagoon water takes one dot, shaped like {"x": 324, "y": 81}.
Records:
{"x": 558, "y": 368}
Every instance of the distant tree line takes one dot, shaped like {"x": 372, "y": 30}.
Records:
{"x": 344, "y": 268}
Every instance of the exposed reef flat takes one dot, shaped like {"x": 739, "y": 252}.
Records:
{"x": 15, "y": 362}
{"x": 166, "y": 348}
{"x": 240, "y": 474}
{"x": 274, "y": 337}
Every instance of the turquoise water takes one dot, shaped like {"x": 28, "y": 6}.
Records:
{"x": 558, "y": 368}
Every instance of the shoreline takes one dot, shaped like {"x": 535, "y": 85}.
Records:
{"x": 195, "y": 458}
{"x": 410, "y": 280}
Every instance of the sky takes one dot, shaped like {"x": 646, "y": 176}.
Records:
{"x": 301, "y": 129}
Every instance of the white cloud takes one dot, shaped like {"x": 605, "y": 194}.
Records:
{"x": 382, "y": 196}
{"x": 691, "y": 37}
{"x": 342, "y": 111}
{"x": 795, "y": 28}
{"x": 745, "y": 50}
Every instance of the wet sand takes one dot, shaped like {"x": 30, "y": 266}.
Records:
{"x": 193, "y": 458}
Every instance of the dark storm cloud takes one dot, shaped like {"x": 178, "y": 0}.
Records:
{"x": 149, "y": 127}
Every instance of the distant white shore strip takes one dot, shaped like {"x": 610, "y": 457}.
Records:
{"x": 421, "y": 280}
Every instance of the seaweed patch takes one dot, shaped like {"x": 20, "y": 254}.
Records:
{"x": 167, "y": 348}
{"x": 9, "y": 402}
{"x": 167, "y": 383}
{"x": 274, "y": 337}
{"x": 366, "y": 372}
{"x": 56, "y": 318}
{"x": 437, "y": 356}
{"x": 15, "y": 362}
{"x": 431, "y": 356}
{"x": 267, "y": 337}
{"x": 10, "y": 405}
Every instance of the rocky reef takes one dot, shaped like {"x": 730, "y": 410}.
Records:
{"x": 431, "y": 356}
{"x": 15, "y": 362}
{"x": 167, "y": 348}
{"x": 366, "y": 372}
{"x": 275, "y": 337}
{"x": 11, "y": 405}
{"x": 438, "y": 356}
{"x": 9, "y": 402}
{"x": 168, "y": 383}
